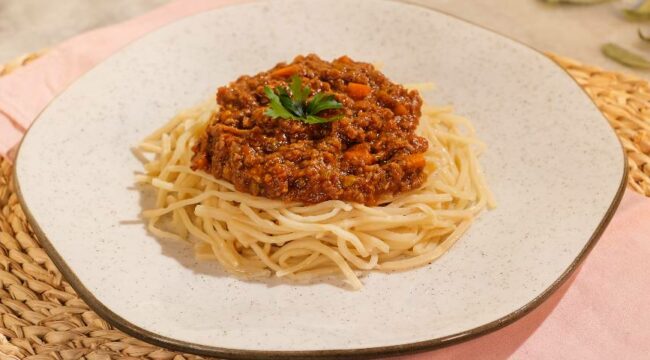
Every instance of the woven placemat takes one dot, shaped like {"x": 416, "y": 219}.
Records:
{"x": 41, "y": 316}
{"x": 625, "y": 101}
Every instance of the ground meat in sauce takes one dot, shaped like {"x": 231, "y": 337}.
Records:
{"x": 370, "y": 153}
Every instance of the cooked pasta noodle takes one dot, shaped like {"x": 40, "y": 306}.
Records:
{"x": 254, "y": 236}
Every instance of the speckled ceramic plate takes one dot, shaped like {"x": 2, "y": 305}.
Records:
{"x": 555, "y": 167}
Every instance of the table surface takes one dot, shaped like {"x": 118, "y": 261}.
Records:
{"x": 573, "y": 31}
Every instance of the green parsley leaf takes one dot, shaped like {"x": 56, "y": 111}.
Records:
{"x": 313, "y": 119}
{"x": 275, "y": 108}
{"x": 300, "y": 93}
{"x": 289, "y": 103}
{"x": 321, "y": 102}
{"x": 295, "y": 106}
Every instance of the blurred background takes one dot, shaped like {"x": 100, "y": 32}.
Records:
{"x": 576, "y": 31}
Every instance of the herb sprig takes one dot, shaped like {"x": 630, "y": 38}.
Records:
{"x": 295, "y": 106}
{"x": 625, "y": 56}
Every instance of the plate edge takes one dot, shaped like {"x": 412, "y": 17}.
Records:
{"x": 361, "y": 353}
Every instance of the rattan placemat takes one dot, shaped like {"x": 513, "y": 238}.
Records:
{"x": 41, "y": 317}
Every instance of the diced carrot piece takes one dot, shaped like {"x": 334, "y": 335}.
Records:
{"x": 400, "y": 109}
{"x": 285, "y": 71}
{"x": 359, "y": 155}
{"x": 415, "y": 161}
{"x": 358, "y": 91}
{"x": 344, "y": 59}
{"x": 349, "y": 180}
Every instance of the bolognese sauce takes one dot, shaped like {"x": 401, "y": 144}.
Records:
{"x": 370, "y": 152}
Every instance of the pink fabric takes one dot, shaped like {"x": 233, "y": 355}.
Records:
{"x": 602, "y": 312}
{"x": 24, "y": 93}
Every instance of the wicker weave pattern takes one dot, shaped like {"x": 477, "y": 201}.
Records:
{"x": 41, "y": 317}
{"x": 625, "y": 101}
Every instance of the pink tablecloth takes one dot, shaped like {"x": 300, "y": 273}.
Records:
{"x": 602, "y": 312}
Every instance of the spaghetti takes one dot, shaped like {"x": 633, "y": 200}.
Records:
{"x": 255, "y": 236}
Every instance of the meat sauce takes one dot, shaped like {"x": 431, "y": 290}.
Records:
{"x": 371, "y": 152}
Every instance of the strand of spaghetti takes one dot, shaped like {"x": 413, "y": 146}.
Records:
{"x": 235, "y": 218}
{"x": 332, "y": 255}
{"x": 311, "y": 218}
{"x": 440, "y": 186}
{"x": 309, "y": 275}
{"x": 427, "y": 257}
{"x": 194, "y": 200}
{"x": 171, "y": 207}
{"x": 320, "y": 207}
{"x": 427, "y": 208}
{"x": 445, "y": 161}
{"x": 435, "y": 110}
{"x": 219, "y": 227}
{"x": 299, "y": 266}
{"x": 376, "y": 223}
{"x": 243, "y": 240}
{"x": 194, "y": 230}
{"x": 421, "y": 247}
{"x": 151, "y": 226}
{"x": 178, "y": 149}
{"x": 349, "y": 256}
{"x": 283, "y": 257}
{"x": 178, "y": 183}
{"x": 152, "y": 168}
{"x": 285, "y": 253}
{"x": 379, "y": 211}
{"x": 402, "y": 245}
{"x": 150, "y": 147}
{"x": 219, "y": 242}
{"x": 319, "y": 263}
{"x": 347, "y": 235}
{"x": 479, "y": 180}
{"x": 395, "y": 236}
{"x": 181, "y": 190}
{"x": 454, "y": 120}
{"x": 178, "y": 225}
{"x": 142, "y": 179}
{"x": 394, "y": 254}
{"x": 463, "y": 180}
{"x": 265, "y": 258}
{"x": 371, "y": 210}
{"x": 162, "y": 184}
{"x": 457, "y": 138}
{"x": 207, "y": 177}
{"x": 270, "y": 226}
{"x": 436, "y": 232}
{"x": 268, "y": 239}
{"x": 214, "y": 241}
{"x": 423, "y": 198}
{"x": 372, "y": 242}
{"x": 188, "y": 186}
{"x": 166, "y": 148}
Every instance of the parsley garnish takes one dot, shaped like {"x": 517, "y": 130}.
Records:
{"x": 296, "y": 106}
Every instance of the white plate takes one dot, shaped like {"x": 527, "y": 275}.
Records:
{"x": 555, "y": 166}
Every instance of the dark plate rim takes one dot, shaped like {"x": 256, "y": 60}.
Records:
{"x": 361, "y": 353}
